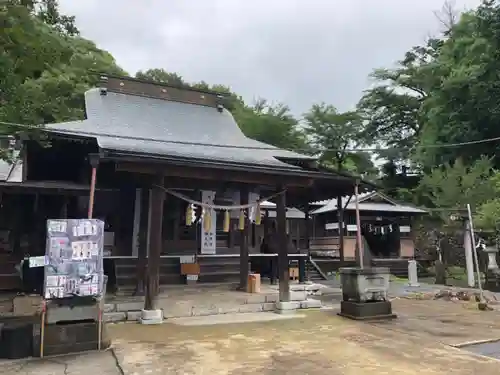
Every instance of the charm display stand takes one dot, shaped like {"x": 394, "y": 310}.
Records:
{"x": 71, "y": 318}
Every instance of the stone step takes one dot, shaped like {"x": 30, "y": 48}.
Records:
{"x": 131, "y": 311}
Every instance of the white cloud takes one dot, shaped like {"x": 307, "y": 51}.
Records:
{"x": 294, "y": 51}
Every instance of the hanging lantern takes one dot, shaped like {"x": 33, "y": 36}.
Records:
{"x": 241, "y": 220}
{"x": 207, "y": 219}
{"x": 258, "y": 215}
{"x": 189, "y": 214}
{"x": 227, "y": 220}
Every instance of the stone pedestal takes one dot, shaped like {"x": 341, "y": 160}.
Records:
{"x": 151, "y": 317}
{"x": 287, "y": 307}
{"x": 372, "y": 310}
{"x": 413, "y": 274}
{"x": 364, "y": 293}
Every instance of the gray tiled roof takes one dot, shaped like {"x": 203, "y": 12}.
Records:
{"x": 385, "y": 206}
{"x": 291, "y": 212}
{"x": 121, "y": 115}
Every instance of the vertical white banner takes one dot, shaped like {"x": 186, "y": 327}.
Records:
{"x": 252, "y": 199}
{"x": 469, "y": 260}
{"x": 208, "y": 238}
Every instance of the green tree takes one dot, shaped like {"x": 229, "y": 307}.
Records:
{"x": 45, "y": 67}
{"x": 337, "y": 132}
{"x": 162, "y": 76}
{"x": 271, "y": 124}
{"x": 455, "y": 185}
{"x": 464, "y": 105}
{"x": 488, "y": 213}
{"x": 391, "y": 109}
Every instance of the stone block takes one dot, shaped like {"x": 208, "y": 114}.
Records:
{"x": 205, "y": 310}
{"x": 114, "y": 317}
{"x": 27, "y": 305}
{"x": 151, "y": 317}
{"x": 292, "y": 305}
{"x": 57, "y": 314}
{"x": 298, "y": 288}
{"x": 272, "y": 298}
{"x": 285, "y": 312}
{"x": 250, "y": 308}
{"x": 310, "y": 304}
{"x": 178, "y": 311}
{"x": 298, "y": 296}
{"x": 228, "y": 309}
{"x": 150, "y": 322}
{"x": 255, "y": 298}
{"x": 152, "y": 314}
{"x": 109, "y": 307}
{"x": 133, "y": 315}
{"x": 129, "y": 306}
{"x": 268, "y": 306}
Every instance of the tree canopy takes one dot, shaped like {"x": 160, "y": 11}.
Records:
{"x": 45, "y": 66}
{"x": 443, "y": 92}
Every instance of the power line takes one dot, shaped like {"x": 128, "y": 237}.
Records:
{"x": 270, "y": 148}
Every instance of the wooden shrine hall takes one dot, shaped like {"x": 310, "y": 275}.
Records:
{"x": 178, "y": 184}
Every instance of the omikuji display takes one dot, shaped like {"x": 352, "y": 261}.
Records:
{"x": 74, "y": 252}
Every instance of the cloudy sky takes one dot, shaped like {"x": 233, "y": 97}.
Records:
{"x": 294, "y": 51}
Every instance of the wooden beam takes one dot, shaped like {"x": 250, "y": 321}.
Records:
{"x": 197, "y": 173}
{"x": 155, "y": 245}
{"x": 283, "y": 273}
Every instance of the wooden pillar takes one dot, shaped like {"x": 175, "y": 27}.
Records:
{"x": 155, "y": 244}
{"x": 359, "y": 240}
{"x": 244, "y": 258}
{"x": 142, "y": 253}
{"x": 94, "y": 163}
{"x": 307, "y": 236}
{"x": 137, "y": 222}
{"x": 340, "y": 220}
{"x": 283, "y": 273}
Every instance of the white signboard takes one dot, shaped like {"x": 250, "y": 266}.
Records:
{"x": 208, "y": 238}
{"x": 332, "y": 226}
{"x": 40, "y": 261}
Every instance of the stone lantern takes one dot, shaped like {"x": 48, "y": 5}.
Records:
{"x": 492, "y": 281}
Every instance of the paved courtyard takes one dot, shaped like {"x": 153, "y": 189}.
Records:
{"x": 421, "y": 341}
{"x": 425, "y": 339}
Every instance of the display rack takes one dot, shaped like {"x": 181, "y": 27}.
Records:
{"x": 73, "y": 267}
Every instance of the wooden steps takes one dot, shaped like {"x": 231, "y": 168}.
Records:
{"x": 9, "y": 276}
